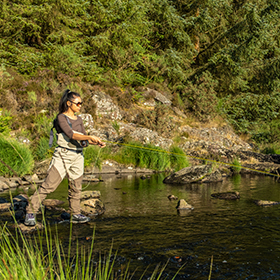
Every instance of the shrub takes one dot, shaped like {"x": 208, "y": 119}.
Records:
{"x": 200, "y": 97}
{"x": 5, "y": 122}
{"x": 157, "y": 119}
{"x": 42, "y": 150}
{"x": 15, "y": 155}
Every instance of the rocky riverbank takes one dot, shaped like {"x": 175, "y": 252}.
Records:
{"x": 216, "y": 145}
{"x": 201, "y": 142}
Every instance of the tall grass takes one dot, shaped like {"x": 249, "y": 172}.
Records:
{"x": 151, "y": 156}
{"x": 236, "y": 166}
{"x": 15, "y": 155}
{"x": 43, "y": 256}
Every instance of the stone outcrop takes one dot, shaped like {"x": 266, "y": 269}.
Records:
{"x": 147, "y": 136}
{"x": 105, "y": 107}
{"x": 195, "y": 174}
{"x": 156, "y": 95}
{"x": 227, "y": 195}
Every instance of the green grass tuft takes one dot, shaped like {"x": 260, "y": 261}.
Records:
{"x": 15, "y": 155}
{"x": 237, "y": 166}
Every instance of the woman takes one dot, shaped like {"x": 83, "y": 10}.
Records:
{"x": 67, "y": 159}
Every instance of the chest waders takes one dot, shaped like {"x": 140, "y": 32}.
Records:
{"x": 64, "y": 162}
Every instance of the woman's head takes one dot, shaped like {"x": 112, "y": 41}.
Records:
{"x": 69, "y": 99}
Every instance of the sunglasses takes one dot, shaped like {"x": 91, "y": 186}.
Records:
{"x": 77, "y": 104}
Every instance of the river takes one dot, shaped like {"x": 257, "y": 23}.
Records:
{"x": 145, "y": 229}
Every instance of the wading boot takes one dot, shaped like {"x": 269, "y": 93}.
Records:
{"x": 79, "y": 219}
{"x": 30, "y": 220}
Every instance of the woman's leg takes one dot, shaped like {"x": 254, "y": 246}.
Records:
{"x": 56, "y": 173}
{"x": 75, "y": 174}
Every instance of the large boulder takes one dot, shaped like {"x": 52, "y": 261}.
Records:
{"x": 195, "y": 174}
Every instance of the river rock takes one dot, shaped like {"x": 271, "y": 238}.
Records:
{"x": 27, "y": 229}
{"x": 31, "y": 178}
{"x": 183, "y": 205}
{"x": 19, "y": 202}
{"x": 93, "y": 206}
{"x": 3, "y": 200}
{"x": 52, "y": 202}
{"x": 90, "y": 178}
{"x": 90, "y": 194}
{"x": 5, "y": 207}
{"x": 194, "y": 174}
{"x": 172, "y": 197}
{"x": 3, "y": 185}
{"x": 226, "y": 195}
{"x": 266, "y": 202}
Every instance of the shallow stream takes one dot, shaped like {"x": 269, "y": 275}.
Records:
{"x": 146, "y": 229}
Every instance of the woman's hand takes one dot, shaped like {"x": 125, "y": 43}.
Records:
{"x": 96, "y": 141}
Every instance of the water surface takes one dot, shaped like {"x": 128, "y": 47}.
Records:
{"x": 146, "y": 228}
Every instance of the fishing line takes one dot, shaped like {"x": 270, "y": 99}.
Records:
{"x": 89, "y": 181}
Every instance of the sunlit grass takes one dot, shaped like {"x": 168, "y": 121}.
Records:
{"x": 43, "y": 256}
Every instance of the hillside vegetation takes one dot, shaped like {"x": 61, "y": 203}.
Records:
{"x": 212, "y": 58}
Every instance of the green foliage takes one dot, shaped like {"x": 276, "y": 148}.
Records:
{"x": 200, "y": 98}
{"x": 157, "y": 119}
{"x": 116, "y": 126}
{"x": 200, "y": 51}
{"x": 28, "y": 257}
{"x": 178, "y": 158}
{"x": 248, "y": 110}
{"x": 151, "y": 156}
{"x": 93, "y": 156}
{"x": 42, "y": 150}
{"x": 43, "y": 124}
{"x": 5, "y": 122}
{"x": 16, "y": 155}
{"x": 236, "y": 165}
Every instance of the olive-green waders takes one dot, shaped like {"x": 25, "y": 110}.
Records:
{"x": 63, "y": 162}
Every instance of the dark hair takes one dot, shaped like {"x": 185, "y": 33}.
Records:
{"x": 68, "y": 95}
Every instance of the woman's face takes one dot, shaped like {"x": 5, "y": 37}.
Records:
{"x": 75, "y": 104}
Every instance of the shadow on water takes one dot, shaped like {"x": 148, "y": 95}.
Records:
{"x": 146, "y": 229}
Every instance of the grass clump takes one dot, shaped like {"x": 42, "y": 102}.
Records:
{"x": 16, "y": 158}
{"x": 151, "y": 156}
{"x": 236, "y": 165}
{"x": 178, "y": 158}
{"x": 92, "y": 156}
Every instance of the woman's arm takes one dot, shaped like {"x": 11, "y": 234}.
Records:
{"x": 93, "y": 140}
{"x": 64, "y": 125}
